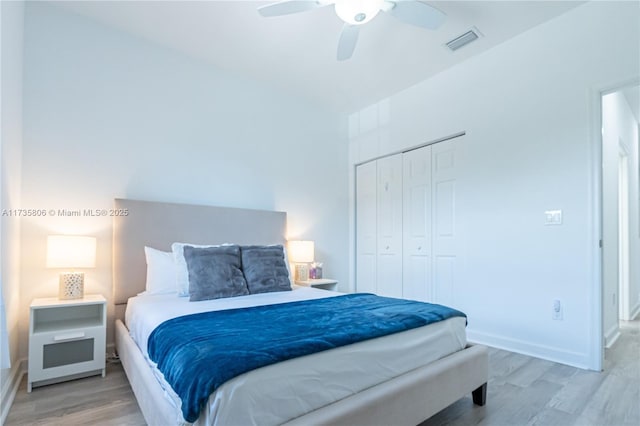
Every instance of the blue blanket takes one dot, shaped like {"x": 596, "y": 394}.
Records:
{"x": 198, "y": 353}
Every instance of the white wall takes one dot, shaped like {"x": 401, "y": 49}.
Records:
{"x": 12, "y": 23}
{"x": 110, "y": 115}
{"x": 619, "y": 127}
{"x": 527, "y": 107}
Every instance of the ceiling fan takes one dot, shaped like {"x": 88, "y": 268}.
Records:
{"x": 358, "y": 12}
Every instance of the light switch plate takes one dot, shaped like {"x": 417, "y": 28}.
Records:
{"x": 553, "y": 217}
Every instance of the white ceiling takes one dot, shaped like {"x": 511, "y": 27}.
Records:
{"x": 297, "y": 53}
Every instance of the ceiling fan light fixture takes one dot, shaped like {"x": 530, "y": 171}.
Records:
{"x": 357, "y": 12}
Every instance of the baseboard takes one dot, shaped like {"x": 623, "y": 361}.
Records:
{"x": 574, "y": 359}
{"x": 10, "y": 389}
{"x": 611, "y": 336}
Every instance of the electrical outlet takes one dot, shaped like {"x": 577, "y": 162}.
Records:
{"x": 556, "y": 312}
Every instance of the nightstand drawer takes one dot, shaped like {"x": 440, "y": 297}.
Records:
{"x": 66, "y": 353}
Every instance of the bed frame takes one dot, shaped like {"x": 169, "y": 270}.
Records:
{"x": 408, "y": 399}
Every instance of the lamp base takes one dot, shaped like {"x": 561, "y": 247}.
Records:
{"x": 71, "y": 286}
{"x": 302, "y": 272}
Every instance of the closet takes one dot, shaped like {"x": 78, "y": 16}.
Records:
{"x": 406, "y": 225}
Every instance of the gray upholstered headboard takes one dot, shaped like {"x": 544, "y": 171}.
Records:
{"x": 158, "y": 225}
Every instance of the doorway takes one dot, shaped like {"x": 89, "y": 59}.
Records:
{"x": 619, "y": 181}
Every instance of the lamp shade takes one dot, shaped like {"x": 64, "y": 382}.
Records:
{"x": 71, "y": 251}
{"x": 301, "y": 251}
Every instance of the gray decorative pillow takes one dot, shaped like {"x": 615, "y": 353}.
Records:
{"x": 265, "y": 269}
{"x": 214, "y": 272}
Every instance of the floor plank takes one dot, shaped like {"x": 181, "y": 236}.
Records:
{"x": 522, "y": 391}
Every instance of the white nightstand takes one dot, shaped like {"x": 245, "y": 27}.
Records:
{"x": 67, "y": 339}
{"x": 323, "y": 283}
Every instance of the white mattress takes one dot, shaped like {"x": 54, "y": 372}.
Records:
{"x": 281, "y": 392}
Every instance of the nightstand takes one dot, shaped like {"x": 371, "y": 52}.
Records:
{"x": 323, "y": 283}
{"x": 67, "y": 339}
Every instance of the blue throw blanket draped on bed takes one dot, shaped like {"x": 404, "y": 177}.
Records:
{"x": 198, "y": 353}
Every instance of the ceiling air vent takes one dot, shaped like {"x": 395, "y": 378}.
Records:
{"x": 464, "y": 39}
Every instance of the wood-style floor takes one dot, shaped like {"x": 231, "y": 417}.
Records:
{"x": 90, "y": 401}
{"x": 522, "y": 391}
{"x": 530, "y": 391}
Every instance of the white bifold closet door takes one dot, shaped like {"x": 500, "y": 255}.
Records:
{"x": 389, "y": 259}
{"x": 406, "y": 224}
{"x": 366, "y": 227}
{"x": 416, "y": 225}
{"x": 446, "y": 262}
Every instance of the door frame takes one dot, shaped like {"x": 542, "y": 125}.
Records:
{"x": 623, "y": 232}
{"x": 596, "y": 287}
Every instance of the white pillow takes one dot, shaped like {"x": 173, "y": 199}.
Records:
{"x": 181, "y": 275}
{"x": 161, "y": 272}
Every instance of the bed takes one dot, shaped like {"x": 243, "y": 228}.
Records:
{"x": 360, "y": 383}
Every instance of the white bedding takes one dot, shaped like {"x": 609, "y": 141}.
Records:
{"x": 284, "y": 391}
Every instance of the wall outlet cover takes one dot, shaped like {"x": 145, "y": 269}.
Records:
{"x": 553, "y": 217}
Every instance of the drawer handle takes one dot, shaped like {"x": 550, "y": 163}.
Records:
{"x": 70, "y": 336}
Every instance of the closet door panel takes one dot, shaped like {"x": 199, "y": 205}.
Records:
{"x": 445, "y": 237}
{"x": 389, "y": 203}
{"x": 366, "y": 227}
{"x": 417, "y": 208}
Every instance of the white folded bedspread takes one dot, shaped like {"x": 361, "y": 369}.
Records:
{"x": 281, "y": 392}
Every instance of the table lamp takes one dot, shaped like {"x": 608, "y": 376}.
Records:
{"x": 301, "y": 253}
{"x": 73, "y": 252}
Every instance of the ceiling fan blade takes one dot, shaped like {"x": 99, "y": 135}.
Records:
{"x": 347, "y": 42}
{"x": 417, "y": 13}
{"x": 287, "y": 7}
